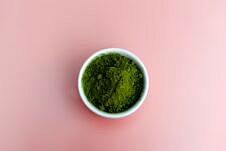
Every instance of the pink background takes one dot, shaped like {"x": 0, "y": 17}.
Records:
{"x": 43, "y": 44}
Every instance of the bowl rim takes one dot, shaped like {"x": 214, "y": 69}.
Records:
{"x": 139, "y": 102}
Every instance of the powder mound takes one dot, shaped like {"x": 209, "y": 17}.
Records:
{"x": 112, "y": 82}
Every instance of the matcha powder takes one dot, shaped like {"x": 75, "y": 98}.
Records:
{"x": 112, "y": 82}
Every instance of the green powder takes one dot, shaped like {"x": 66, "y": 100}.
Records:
{"x": 112, "y": 82}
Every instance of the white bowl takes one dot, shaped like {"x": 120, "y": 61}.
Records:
{"x": 136, "y": 105}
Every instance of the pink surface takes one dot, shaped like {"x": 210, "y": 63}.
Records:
{"x": 43, "y": 44}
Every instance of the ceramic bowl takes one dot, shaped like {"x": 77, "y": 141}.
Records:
{"x": 132, "y": 109}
